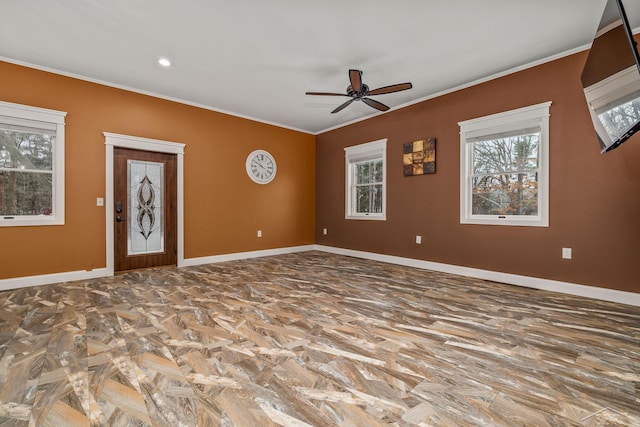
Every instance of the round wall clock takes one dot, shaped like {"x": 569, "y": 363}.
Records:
{"x": 261, "y": 166}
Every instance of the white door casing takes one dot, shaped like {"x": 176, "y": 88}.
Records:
{"x": 137, "y": 143}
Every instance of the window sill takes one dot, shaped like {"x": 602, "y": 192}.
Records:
{"x": 30, "y": 221}
{"x": 497, "y": 220}
{"x": 377, "y": 217}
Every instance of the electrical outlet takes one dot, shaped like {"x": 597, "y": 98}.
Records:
{"x": 566, "y": 253}
{"x": 99, "y": 201}
{"x": 324, "y": 231}
{"x": 259, "y": 233}
{"x": 419, "y": 240}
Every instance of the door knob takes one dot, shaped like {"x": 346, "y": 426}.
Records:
{"x": 120, "y": 219}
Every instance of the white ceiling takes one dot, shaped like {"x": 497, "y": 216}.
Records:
{"x": 257, "y": 58}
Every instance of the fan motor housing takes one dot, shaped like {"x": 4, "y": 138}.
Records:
{"x": 351, "y": 92}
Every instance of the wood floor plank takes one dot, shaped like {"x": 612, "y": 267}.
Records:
{"x": 313, "y": 339}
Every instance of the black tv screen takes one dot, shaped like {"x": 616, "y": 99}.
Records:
{"x": 611, "y": 79}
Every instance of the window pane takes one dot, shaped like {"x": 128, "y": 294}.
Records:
{"x": 26, "y": 150}
{"x": 25, "y": 193}
{"x": 515, "y": 153}
{"x": 369, "y": 172}
{"x": 377, "y": 171}
{"x": 368, "y": 199}
{"x": 362, "y": 173}
{"x": 508, "y": 194}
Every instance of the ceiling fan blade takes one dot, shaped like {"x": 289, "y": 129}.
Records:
{"x": 355, "y": 77}
{"x": 344, "y": 105}
{"x": 390, "y": 89}
{"x": 375, "y": 104}
{"x": 326, "y": 93}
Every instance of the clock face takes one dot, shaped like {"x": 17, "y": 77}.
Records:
{"x": 261, "y": 167}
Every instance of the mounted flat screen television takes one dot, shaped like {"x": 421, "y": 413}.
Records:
{"x": 611, "y": 79}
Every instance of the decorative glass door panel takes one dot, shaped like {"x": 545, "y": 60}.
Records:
{"x": 145, "y": 189}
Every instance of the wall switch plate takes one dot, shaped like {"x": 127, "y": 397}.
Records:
{"x": 259, "y": 233}
{"x": 99, "y": 201}
{"x": 324, "y": 231}
{"x": 566, "y": 253}
{"x": 419, "y": 240}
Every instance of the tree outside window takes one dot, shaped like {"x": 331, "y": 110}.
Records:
{"x": 505, "y": 176}
{"x": 26, "y": 172}
{"x": 368, "y": 187}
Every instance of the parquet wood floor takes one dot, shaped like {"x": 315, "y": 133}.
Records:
{"x": 313, "y": 339}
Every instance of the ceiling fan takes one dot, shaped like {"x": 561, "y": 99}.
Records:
{"x": 359, "y": 91}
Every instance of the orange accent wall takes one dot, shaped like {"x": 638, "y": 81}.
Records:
{"x": 594, "y": 198}
{"x": 223, "y": 207}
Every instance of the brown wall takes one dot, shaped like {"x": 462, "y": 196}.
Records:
{"x": 223, "y": 207}
{"x": 594, "y": 198}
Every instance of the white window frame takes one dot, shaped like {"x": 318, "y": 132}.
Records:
{"x": 44, "y": 119}
{"x": 358, "y": 153}
{"x": 522, "y": 118}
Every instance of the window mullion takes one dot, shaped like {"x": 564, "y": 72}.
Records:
{"x": 26, "y": 170}
{"x": 511, "y": 172}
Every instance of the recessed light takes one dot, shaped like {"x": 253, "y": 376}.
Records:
{"x": 164, "y": 62}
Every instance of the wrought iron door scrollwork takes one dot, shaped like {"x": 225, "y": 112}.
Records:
{"x": 146, "y": 209}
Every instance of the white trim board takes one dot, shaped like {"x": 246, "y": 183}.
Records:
{"x": 246, "y": 255}
{"x": 611, "y": 295}
{"x": 68, "y": 276}
{"x": 48, "y": 279}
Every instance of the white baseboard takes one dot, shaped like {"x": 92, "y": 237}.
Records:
{"x": 245, "y": 255}
{"x": 47, "y": 279}
{"x": 604, "y": 294}
{"x": 594, "y": 292}
{"x": 68, "y": 276}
